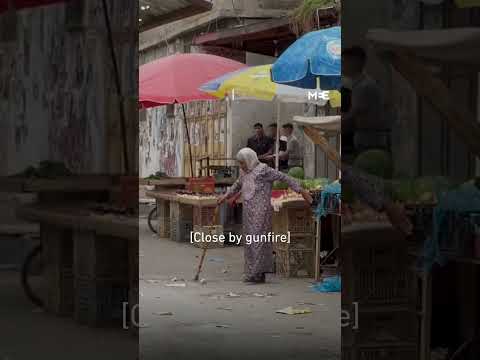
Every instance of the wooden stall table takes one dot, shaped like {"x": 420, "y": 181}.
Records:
{"x": 294, "y": 215}
{"x": 185, "y": 212}
{"x": 91, "y": 260}
{"x": 164, "y": 217}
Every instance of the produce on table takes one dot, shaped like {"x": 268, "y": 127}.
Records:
{"x": 375, "y": 162}
{"x": 157, "y": 176}
{"x": 297, "y": 173}
{"x": 424, "y": 190}
{"x": 314, "y": 184}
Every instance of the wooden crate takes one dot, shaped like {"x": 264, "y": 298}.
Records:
{"x": 100, "y": 257}
{"x": 210, "y": 230}
{"x": 298, "y": 220}
{"x": 399, "y": 352}
{"x": 203, "y": 216}
{"x": 380, "y": 326}
{"x": 375, "y": 268}
{"x": 294, "y": 262}
{"x": 102, "y": 278}
{"x": 100, "y": 303}
{"x": 181, "y": 222}
{"x": 163, "y": 218}
{"x": 58, "y": 259}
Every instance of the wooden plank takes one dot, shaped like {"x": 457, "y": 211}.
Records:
{"x": 318, "y": 139}
{"x": 161, "y": 195}
{"x": 245, "y": 32}
{"x": 459, "y": 119}
{"x": 74, "y": 183}
{"x": 81, "y": 218}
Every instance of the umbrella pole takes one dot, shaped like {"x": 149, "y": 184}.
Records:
{"x": 277, "y": 140}
{"x": 119, "y": 87}
{"x": 188, "y": 139}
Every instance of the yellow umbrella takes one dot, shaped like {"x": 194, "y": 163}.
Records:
{"x": 255, "y": 82}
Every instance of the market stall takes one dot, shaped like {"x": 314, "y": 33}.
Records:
{"x": 321, "y": 130}
{"x": 445, "y": 225}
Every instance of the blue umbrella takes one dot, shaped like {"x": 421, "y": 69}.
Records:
{"x": 313, "y": 61}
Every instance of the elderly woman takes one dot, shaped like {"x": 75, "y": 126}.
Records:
{"x": 255, "y": 184}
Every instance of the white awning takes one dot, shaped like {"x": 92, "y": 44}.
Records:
{"x": 446, "y": 45}
{"x": 325, "y": 123}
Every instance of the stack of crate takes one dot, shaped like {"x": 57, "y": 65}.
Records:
{"x": 58, "y": 256}
{"x": 181, "y": 222}
{"x": 101, "y": 279}
{"x": 378, "y": 292}
{"x": 295, "y": 259}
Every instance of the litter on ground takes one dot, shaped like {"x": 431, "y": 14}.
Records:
{"x": 290, "y": 310}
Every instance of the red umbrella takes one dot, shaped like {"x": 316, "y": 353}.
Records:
{"x": 22, "y": 4}
{"x": 177, "y": 78}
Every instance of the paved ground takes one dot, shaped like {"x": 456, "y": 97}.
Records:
{"x": 207, "y": 324}
{"x": 26, "y": 333}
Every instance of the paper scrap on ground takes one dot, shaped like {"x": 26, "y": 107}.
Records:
{"x": 176, "y": 285}
{"x": 231, "y": 294}
{"x": 222, "y": 326}
{"x": 165, "y": 313}
{"x": 152, "y": 281}
{"x": 225, "y": 308}
{"x": 258, "y": 295}
{"x": 290, "y": 310}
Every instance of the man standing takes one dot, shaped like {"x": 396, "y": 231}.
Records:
{"x": 293, "y": 154}
{"x": 260, "y": 143}
{"x": 282, "y": 164}
{"x": 365, "y": 118}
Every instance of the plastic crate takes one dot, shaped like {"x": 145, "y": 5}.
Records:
{"x": 100, "y": 303}
{"x": 294, "y": 263}
{"x": 201, "y": 184}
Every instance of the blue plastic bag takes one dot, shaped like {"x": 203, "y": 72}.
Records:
{"x": 329, "y": 285}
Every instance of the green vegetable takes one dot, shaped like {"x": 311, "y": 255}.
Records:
{"x": 297, "y": 173}
{"x": 277, "y": 185}
{"x": 375, "y": 162}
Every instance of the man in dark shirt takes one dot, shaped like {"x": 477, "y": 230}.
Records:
{"x": 260, "y": 143}
{"x": 282, "y": 164}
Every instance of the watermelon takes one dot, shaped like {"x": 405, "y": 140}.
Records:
{"x": 375, "y": 162}
{"x": 297, "y": 173}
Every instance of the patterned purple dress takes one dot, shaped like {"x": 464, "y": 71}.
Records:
{"x": 256, "y": 189}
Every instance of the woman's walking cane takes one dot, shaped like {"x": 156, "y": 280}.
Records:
{"x": 215, "y": 213}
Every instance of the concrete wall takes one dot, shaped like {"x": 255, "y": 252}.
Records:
{"x": 57, "y": 96}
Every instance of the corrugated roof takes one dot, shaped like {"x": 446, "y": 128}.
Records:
{"x": 154, "y": 13}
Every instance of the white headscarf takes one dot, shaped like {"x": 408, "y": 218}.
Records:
{"x": 249, "y": 157}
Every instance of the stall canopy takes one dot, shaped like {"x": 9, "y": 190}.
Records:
{"x": 317, "y": 129}
{"x": 451, "y": 45}
{"x": 407, "y": 51}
